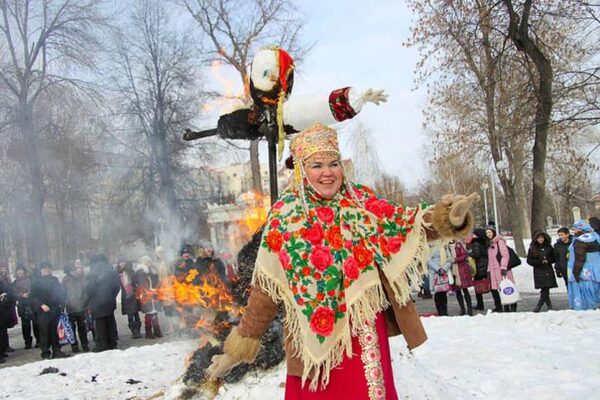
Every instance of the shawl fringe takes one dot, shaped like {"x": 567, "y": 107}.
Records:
{"x": 364, "y": 308}
{"x": 406, "y": 269}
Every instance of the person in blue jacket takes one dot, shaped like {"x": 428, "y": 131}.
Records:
{"x": 584, "y": 268}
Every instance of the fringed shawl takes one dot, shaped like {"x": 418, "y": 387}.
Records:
{"x": 323, "y": 267}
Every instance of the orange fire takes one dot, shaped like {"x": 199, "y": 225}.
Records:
{"x": 206, "y": 291}
{"x": 254, "y": 212}
{"x": 231, "y": 98}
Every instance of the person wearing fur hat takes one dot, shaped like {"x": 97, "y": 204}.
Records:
{"x": 584, "y": 268}
{"x": 541, "y": 256}
{"x": 102, "y": 286}
{"x": 130, "y": 305}
{"x": 146, "y": 278}
{"x": 498, "y": 269}
{"x": 342, "y": 262}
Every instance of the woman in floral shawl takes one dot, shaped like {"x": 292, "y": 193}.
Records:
{"x": 342, "y": 261}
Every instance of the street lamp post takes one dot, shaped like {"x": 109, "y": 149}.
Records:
{"x": 501, "y": 165}
{"x": 484, "y": 187}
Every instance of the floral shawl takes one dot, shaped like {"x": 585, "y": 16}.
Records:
{"x": 324, "y": 268}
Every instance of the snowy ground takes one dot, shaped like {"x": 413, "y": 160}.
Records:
{"x": 552, "y": 355}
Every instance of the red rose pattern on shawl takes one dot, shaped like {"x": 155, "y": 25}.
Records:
{"x": 318, "y": 254}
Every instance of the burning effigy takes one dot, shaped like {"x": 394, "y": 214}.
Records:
{"x": 209, "y": 308}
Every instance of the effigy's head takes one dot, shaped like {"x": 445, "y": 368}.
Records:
{"x": 317, "y": 160}
{"x": 271, "y": 74}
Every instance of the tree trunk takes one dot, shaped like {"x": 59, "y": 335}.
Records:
{"x": 518, "y": 31}
{"x": 37, "y": 242}
{"x": 516, "y": 219}
{"x": 255, "y": 167}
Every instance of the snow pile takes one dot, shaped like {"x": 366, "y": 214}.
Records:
{"x": 549, "y": 355}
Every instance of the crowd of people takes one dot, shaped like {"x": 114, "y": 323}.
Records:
{"x": 482, "y": 261}
{"x": 38, "y": 299}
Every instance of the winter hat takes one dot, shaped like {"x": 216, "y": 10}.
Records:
{"x": 45, "y": 264}
{"x": 186, "y": 248}
{"x": 121, "y": 257}
{"x": 583, "y": 226}
{"x": 98, "y": 259}
{"x": 479, "y": 233}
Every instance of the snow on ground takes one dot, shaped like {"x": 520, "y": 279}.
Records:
{"x": 551, "y": 355}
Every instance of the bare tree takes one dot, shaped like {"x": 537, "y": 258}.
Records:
{"x": 42, "y": 44}
{"x": 157, "y": 87}
{"x": 484, "y": 101}
{"x": 236, "y": 29}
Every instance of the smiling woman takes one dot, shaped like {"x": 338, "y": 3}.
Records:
{"x": 342, "y": 261}
{"x": 325, "y": 176}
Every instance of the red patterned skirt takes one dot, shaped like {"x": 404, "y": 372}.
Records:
{"x": 367, "y": 375}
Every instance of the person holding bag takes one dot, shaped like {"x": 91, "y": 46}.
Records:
{"x": 439, "y": 265}
{"x": 541, "y": 256}
{"x": 498, "y": 259}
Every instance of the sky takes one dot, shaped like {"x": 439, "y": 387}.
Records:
{"x": 359, "y": 45}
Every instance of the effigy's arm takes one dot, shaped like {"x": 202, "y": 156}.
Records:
{"x": 339, "y": 105}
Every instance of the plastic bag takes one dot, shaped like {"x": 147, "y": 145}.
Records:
{"x": 64, "y": 330}
{"x": 508, "y": 292}
{"x": 441, "y": 284}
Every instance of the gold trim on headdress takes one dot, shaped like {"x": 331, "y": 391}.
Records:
{"x": 318, "y": 140}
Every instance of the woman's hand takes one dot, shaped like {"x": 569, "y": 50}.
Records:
{"x": 220, "y": 365}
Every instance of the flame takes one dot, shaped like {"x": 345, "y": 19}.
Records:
{"x": 206, "y": 291}
{"x": 231, "y": 97}
{"x": 254, "y": 210}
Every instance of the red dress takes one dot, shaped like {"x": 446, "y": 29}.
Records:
{"x": 367, "y": 375}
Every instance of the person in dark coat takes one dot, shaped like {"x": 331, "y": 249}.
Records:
{"x": 21, "y": 289}
{"x": 76, "y": 299}
{"x": 14, "y": 320}
{"x": 47, "y": 300}
{"x": 595, "y": 224}
{"x": 184, "y": 264}
{"x": 102, "y": 289}
{"x": 561, "y": 253}
{"x": 478, "y": 251}
{"x": 130, "y": 305}
{"x": 208, "y": 263}
{"x": 7, "y": 301}
{"x": 146, "y": 278}
{"x": 541, "y": 257}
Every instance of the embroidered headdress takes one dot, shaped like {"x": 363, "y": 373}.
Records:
{"x": 318, "y": 141}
